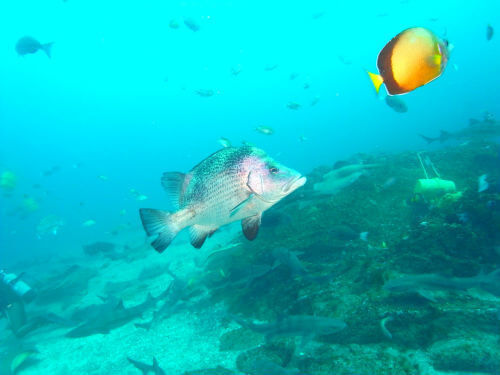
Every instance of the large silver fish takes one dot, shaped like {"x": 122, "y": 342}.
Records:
{"x": 235, "y": 183}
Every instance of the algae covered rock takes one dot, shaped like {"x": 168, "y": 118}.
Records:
{"x": 239, "y": 339}
{"x": 478, "y": 354}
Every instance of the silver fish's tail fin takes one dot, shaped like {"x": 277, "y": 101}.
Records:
{"x": 47, "y": 48}
{"x": 157, "y": 222}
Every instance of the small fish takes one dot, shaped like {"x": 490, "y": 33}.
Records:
{"x": 413, "y": 58}
{"x": 234, "y": 183}
{"x": 482, "y": 184}
{"x": 489, "y": 32}
{"x": 306, "y": 85}
{"x": 103, "y": 178}
{"x": 267, "y": 130}
{"x": 303, "y": 138}
{"x": 293, "y": 105}
{"x": 27, "y": 45}
{"x": 88, "y": 223}
{"x": 123, "y": 212}
{"x": 49, "y": 225}
{"x": 224, "y": 142}
{"x": 174, "y": 24}
{"x": 396, "y": 104}
{"x": 235, "y": 70}
{"x": 205, "y": 93}
{"x": 270, "y": 67}
{"x": 293, "y": 75}
{"x": 8, "y": 181}
{"x": 137, "y": 195}
{"x": 192, "y": 24}
{"x": 344, "y": 60}
{"x": 319, "y": 14}
{"x": 315, "y": 100}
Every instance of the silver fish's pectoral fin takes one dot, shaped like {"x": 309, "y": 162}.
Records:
{"x": 198, "y": 234}
{"x": 250, "y": 226}
{"x": 240, "y": 205}
{"x": 157, "y": 222}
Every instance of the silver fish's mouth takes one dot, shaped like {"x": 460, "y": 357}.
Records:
{"x": 293, "y": 184}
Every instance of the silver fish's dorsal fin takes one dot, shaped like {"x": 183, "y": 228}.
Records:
{"x": 250, "y": 226}
{"x": 198, "y": 234}
{"x": 173, "y": 183}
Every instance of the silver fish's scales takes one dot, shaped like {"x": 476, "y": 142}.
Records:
{"x": 223, "y": 165}
{"x": 216, "y": 186}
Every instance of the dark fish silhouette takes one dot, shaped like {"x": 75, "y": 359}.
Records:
{"x": 109, "y": 316}
{"x": 396, "y": 104}
{"x": 425, "y": 283}
{"x": 154, "y": 369}
{"x": 477, "y": 130}
{"x": 305, "y": 326}
{"x": 191, "y": 24}
{"x": 27, "y": 45}
{"x": 489, "y": 32}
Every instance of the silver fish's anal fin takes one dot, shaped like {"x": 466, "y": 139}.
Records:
{"x": 198, "y": 234}
{"x": 157, "y": 222}
{"x": 250, "y": 226}
{"x": 173, "y": 183}
{"x": 240, "y": 205}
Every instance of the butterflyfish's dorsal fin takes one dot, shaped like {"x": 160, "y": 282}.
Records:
{"x": 376, "y": 79}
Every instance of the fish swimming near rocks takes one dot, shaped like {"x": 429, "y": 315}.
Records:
{"x": 109, "y": 316}
{"x": 425, "y": 283}
{"x": 28, "y": 45}
{"x": 476, "y": 130}
{"x": 235, "y": 183}
{"x": 305, "y": 326}
{"x": 338, "y": 179}
{"x": 146, "y": 369}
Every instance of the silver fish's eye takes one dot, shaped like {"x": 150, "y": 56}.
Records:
{"x": 273, "y": 170}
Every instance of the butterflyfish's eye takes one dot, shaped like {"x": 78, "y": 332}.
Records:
{"x": 273, "y": 170}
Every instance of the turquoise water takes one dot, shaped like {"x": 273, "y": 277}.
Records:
{"x": 88, "y": 133}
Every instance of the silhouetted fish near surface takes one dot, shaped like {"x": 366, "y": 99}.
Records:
{"x": 489, "y": 32}
{"x": 192, "y": 24}
{"x": 27, "y": 45}
{"x": 413, "y": 58}
{"x": 235, "y": 183}
{"x": 396, "y": 104}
